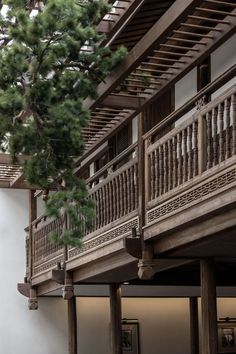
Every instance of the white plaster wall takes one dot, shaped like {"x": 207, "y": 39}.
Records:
{"x": 221, "y": 60}
{"x": 185, "y": 89}
{"x": 23, "y": 331}
{"x": 159, "y": 319}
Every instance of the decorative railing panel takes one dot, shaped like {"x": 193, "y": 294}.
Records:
{"x": 116, "y": 196}
{"x": 203, "y": 141}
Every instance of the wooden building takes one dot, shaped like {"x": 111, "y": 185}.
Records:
{"x": 160, "y": 163}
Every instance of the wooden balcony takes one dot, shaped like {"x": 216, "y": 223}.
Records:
{"x": 189, "y": 174}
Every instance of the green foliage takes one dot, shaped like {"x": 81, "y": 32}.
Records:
{"x": 45, "y": 76}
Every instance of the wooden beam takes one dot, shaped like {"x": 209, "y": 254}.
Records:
{"x": 123, "y": 102}
{"x": 209, "y": 313}
{"x": 72, "y": 325}
{"x": 115, "y": 310}
{"x": 194, "y": 330}
{"x": 18, "y": 180}
{"x": 157, "y": 34}
{"x": 113, "y": 28}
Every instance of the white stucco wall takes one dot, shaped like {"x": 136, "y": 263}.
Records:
{"x": 23, "y": 331}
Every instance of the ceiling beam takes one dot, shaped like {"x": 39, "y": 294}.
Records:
{"x": 18, "y": 180}
{"x": 159, "y": 31}
{"x": 123, "y": 102}
{"x": 112, "y": 29}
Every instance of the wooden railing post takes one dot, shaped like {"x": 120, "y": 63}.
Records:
{"x": 32, "y": 217}
{"x": 201, "y": 144}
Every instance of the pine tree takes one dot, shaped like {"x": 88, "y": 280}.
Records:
{"x": 45, "y": 76}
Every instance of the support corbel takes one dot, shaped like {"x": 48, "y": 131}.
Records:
{"x": 146, "y": 265}
{"x": 135, "y": 246}
{"x": 33, "y": 299}
{"x": 68, "y": 288}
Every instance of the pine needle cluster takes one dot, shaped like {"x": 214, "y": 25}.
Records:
{"x": 50, "y": 61}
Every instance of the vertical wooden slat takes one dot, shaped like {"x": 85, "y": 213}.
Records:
{"x": 233, "y": 104}
{"x": 136, "y": 186}
{"x": 114, "y": 197}
{"x": 221, "y": 133}
{"x": 214, "y": 133}
{"x": 209, "y": 313}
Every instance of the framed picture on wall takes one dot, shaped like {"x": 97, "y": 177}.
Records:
{"x": 227, "y": 337}
{"x": 130, "y": 337}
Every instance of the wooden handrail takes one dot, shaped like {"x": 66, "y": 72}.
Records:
{"x": 113, "y": 175}
{"x": 125, "y": 153}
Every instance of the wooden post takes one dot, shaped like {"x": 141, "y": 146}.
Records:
{"x": 32, "y": 217}
{"x": 72, "y": 325}
{"x": 115, "y": 310}
{"x": 209, "y": 312}
{"x": 194, "y": 330}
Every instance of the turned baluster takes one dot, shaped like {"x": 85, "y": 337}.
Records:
{"x": 185, "y": 173}
{"x": 125, "y": 193}
{"x": 107, "y": 204}
{"x": 114, "y": 197}
{"x": 214, "y": 133}
{"x": 116, "y": 185}
{"x": 233, "y": 104}
{"x": 195, "y": 149}
{"x": 102, "y": 207}
{"x": 209, "y": 139}
{"x": 136, "y": 185}
{"x": 132, "y": 188}
{"x": 174, "y": 144}
{"x": 165, "y": 170}
{"x": 170, "y": 164}
{"x": 179, "y": 154}
{"x": 128, "y": 190}
{"x": 152, "y": 174}
{"x": 156, "y": 184}
{"x": 189, "y": 154}
{"x": 221, "y": 133}
{"x": 227, "y": 128}
{"x": 160, "y": 150}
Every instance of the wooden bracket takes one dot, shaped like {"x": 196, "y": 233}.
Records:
{"x": 24, "y": 289}
{"x": 133, "y": 246}
{"x": 58, "y": 275}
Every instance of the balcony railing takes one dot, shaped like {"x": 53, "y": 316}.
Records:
{"x": 204, "y": 141}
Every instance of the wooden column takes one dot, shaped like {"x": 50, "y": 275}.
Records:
{"x": 115, "y": 310}
{"x": 194, "y": 330}
{"x": 32, "y": 217}
{"x": 72, "y": 325}
{"x": 209, "y": 313}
